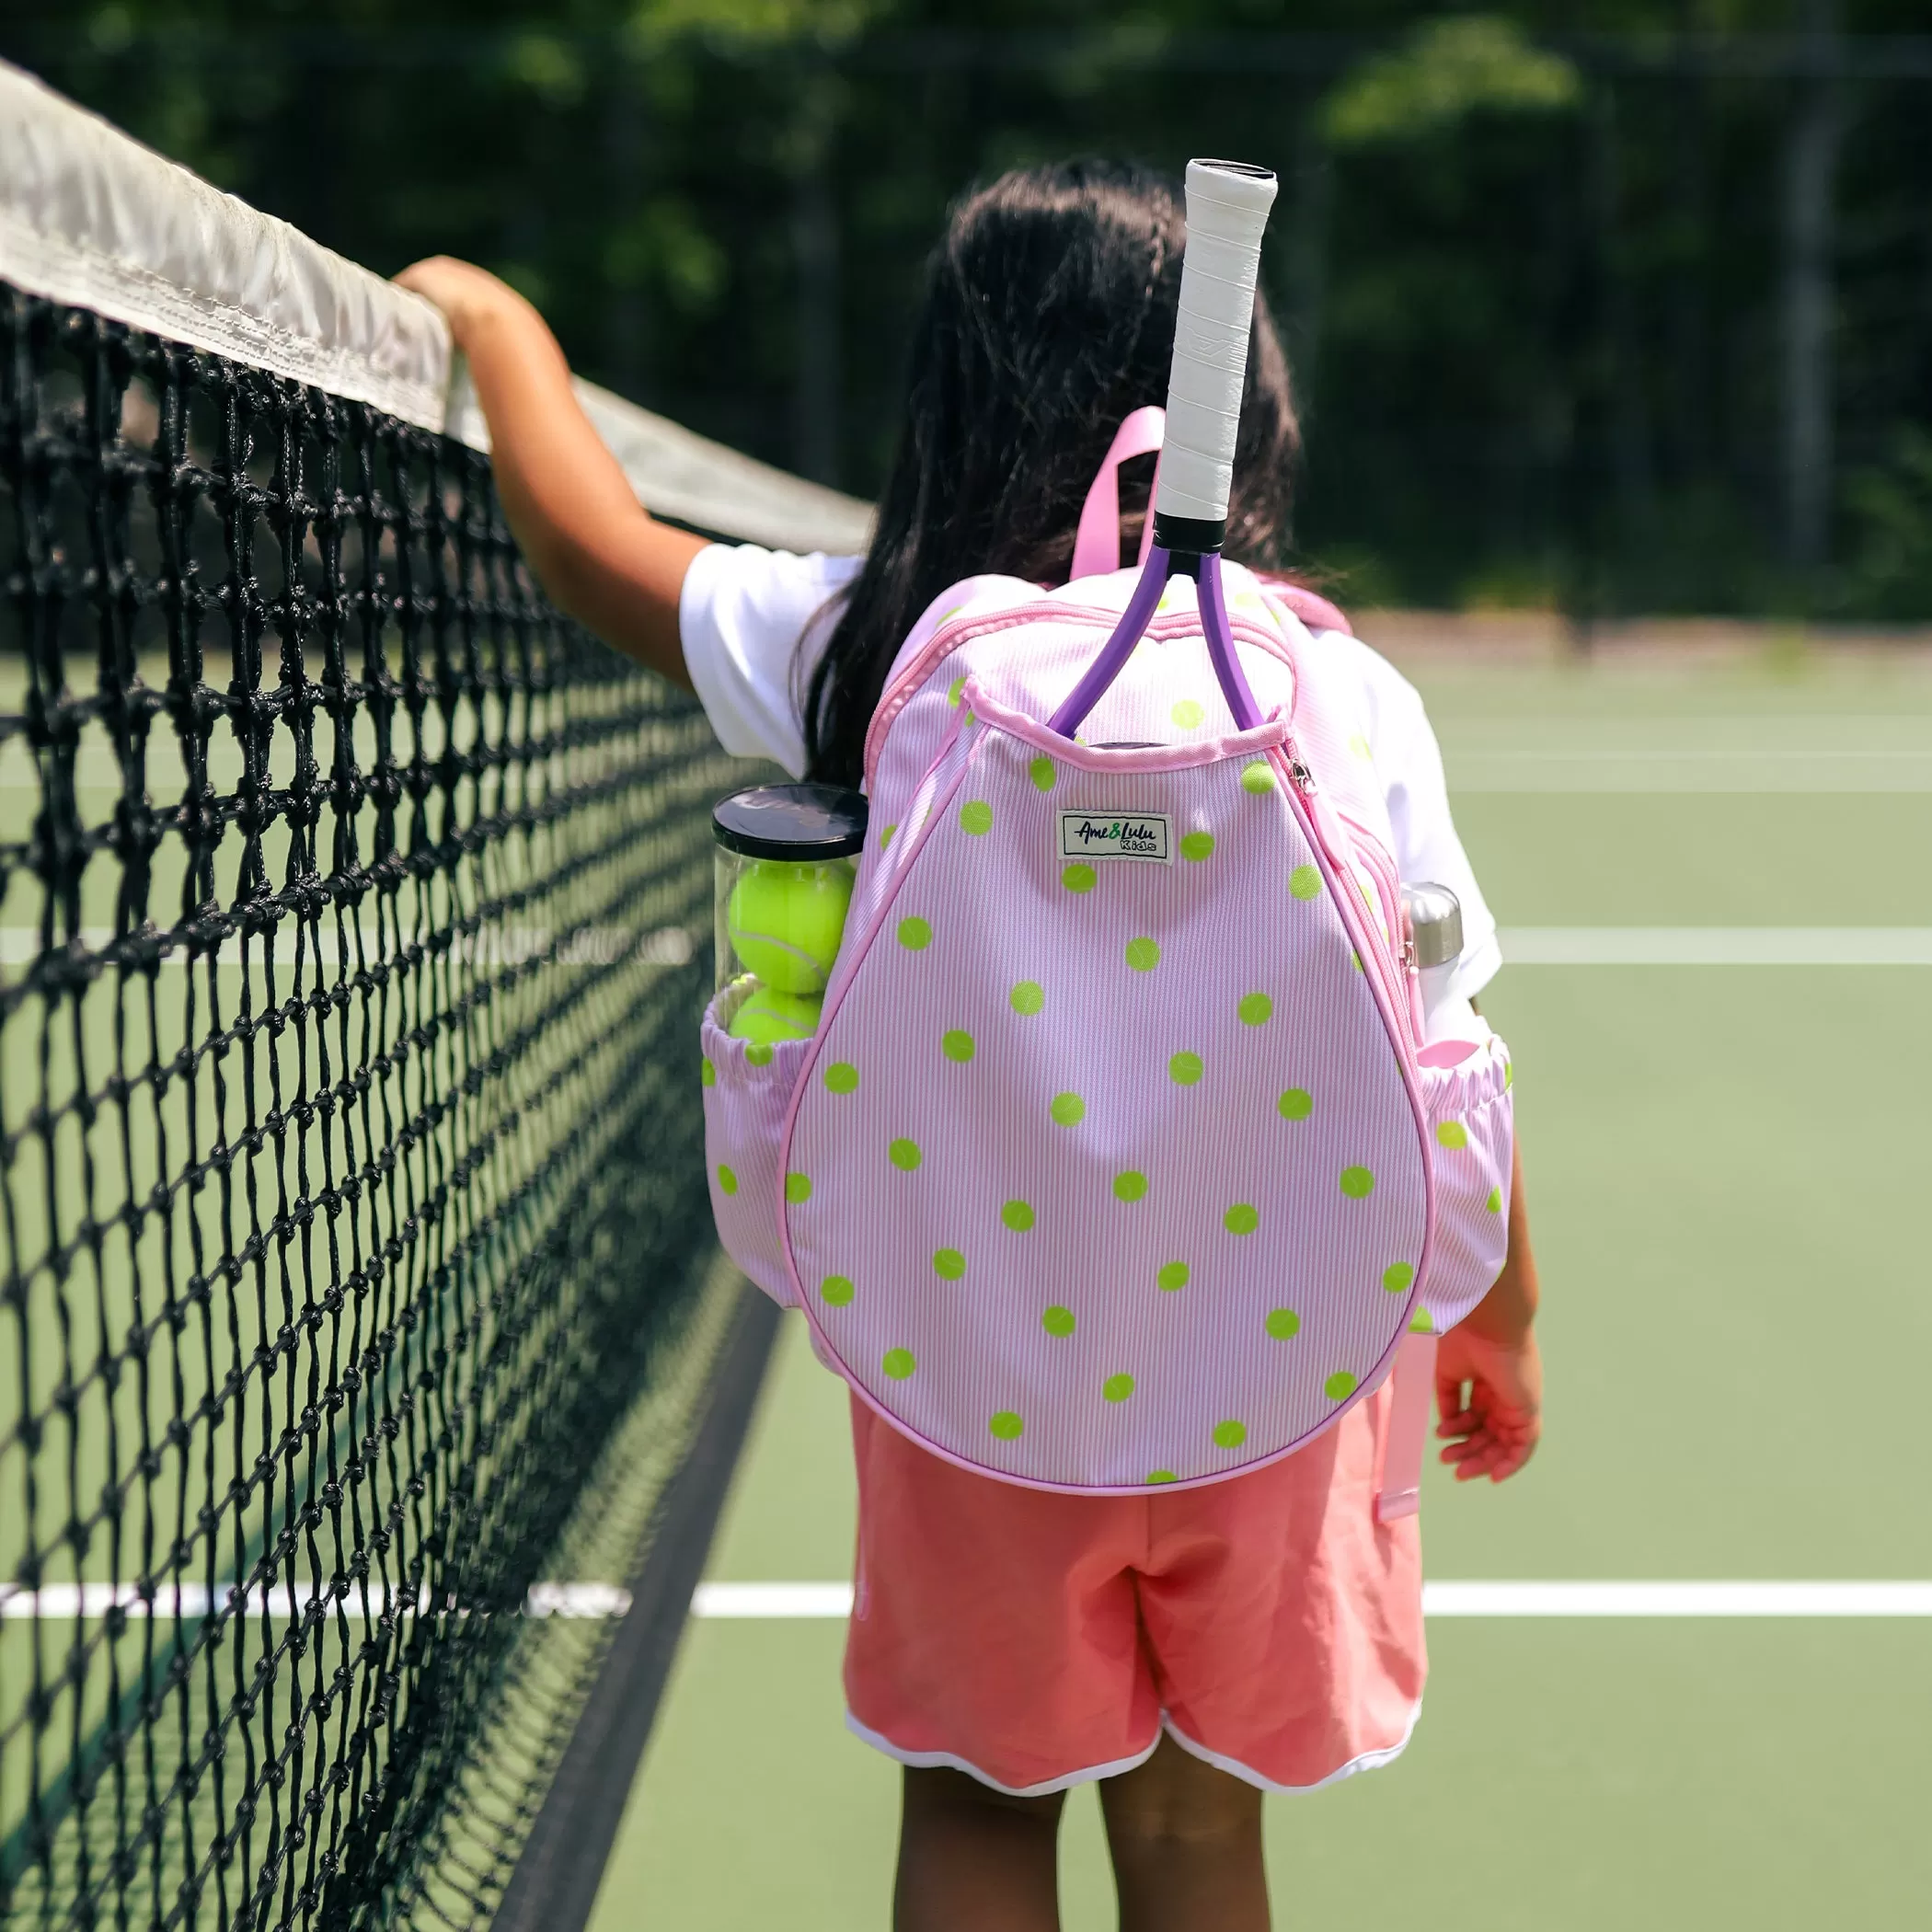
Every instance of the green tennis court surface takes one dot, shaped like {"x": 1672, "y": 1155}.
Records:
{"x": 1725, "y": 1167}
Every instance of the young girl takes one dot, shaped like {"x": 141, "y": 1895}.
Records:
{"x": 1191, "y": 1650}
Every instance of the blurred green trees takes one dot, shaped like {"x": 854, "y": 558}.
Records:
{"x": 1617, "y": 306}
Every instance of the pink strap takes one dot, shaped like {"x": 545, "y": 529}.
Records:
{"x": 1096, "y": 546}
{"x": 1412, "y": 1384}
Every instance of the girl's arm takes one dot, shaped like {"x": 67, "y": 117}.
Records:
{"x": 1489, "y": 1376}
{"x": 598, "y": 554}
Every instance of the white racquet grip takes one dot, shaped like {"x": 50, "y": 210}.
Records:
{"x": 1227, "y": 209}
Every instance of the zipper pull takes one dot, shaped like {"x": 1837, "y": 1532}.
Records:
{"x": 1304, "y": 778}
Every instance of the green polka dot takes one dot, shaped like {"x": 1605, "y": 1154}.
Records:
{"x": 1257, "y": 777}
{"x": 914, "y": 935}
{"x": 976, "y": 817}
{"x": 1283, "y": 1324}
{"x": 1509, "y": 1076}
{"x": 1184, "y": 1069}
{"x": 1494, "y": 1203}
{"x": 1018, "y": 1216}
{"x": 904, "y": 1156}
{"x": 1058, "y": 1321}
{"x": 885, "y": 837}
{"x": 707, "y": 1074}
{"x": 1162, "y": 1475}
{"x": 797, "y": 1187}
{"x": 957, "y": 1045}
{"x": 1196, "y": 845}
{"x": 1006, "y": 1425}
{"x": 1042, "y": 772}
{"x": 1256, "y": 1009}
{"x": 1078, "y": 878}
{"x": 1451, "y": 1134}
{"x": 1360, "y": 746}
{"x": 842, "y": 1077}
{"x": 1296, "y": 1104}
{"x": 897, "y": 1364}
{"x": 1241, "y": 1219}
{"x": 836, "y": 1290}
{"x": 1187, "y": 714}
{"x": 727, "y": 1180}
{"x": 1304, "y": 882}
{"x": 1355, "y": 961}
{"x": 1142, "y": 955}
{"x": 758, "y": 1054}
{"x": 1398, "y": 1278}
{"x": 1357, "y": 1183}
{"x": 1130, "y": 1186}
{"x": 949, "y": 1263}
{"x": 1230, "y": 1434}
{"x": 1420, "y": 1323}
{"x": 955, "y": 690}
{"x": 1117, "y": 1389}
{"x": 1027, "y": 998}
{"x": 1172, "y": 1275}
{"x": 1340, "y": 1387}
{"x": 1067, "y": 1110}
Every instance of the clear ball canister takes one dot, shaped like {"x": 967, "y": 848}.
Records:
{"x": 784, "y": 867}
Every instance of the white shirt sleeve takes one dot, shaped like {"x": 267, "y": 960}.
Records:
{"x": 1410, "y": 763}
{"x": 752, "y": 623}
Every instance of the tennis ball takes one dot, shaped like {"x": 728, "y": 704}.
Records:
{"x": 767, "y": 1016}
{"x": 786, "y": 921}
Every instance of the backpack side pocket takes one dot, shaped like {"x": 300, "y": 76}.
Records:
{"x": 748, "y": 1088}
{"x": 1465, "y": 1089}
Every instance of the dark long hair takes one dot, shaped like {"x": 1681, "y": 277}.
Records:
{"x": 1048, "y": 316}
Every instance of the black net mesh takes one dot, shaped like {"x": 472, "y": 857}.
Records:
{"x": 352, "y": 906}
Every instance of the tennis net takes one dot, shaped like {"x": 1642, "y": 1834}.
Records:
{"x": 359, "y": 1287}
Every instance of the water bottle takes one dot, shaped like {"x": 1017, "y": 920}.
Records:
{"x": 1435, "y": 932}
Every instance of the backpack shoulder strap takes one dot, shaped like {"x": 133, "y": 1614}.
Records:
{"x": 1097, "y": 546}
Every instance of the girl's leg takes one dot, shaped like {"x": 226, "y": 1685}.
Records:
{"x": 1186, "y": 1841}
{"x": 972, "y": 1859}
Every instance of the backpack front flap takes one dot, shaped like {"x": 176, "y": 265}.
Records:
{"x": 1107, "y": 1166}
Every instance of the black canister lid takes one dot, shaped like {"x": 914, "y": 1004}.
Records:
{"x": 804, "y": 823}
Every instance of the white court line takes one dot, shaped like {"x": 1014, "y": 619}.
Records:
{"x": 167, "y": 1600}
{"x": 1463, "y": 1598}
{"x": 1717, "y": 945}
{"x": 821, "y": 1600}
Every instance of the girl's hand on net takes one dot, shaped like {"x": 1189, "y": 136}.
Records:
{"x": 1491, "y": 1395}
{"x": 460, "y": 289}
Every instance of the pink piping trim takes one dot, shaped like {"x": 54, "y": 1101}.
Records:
{"x": 1141, "y": 758}
{"x": 1354, "y": 920}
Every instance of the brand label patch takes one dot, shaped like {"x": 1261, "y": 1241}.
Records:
{"x": 1116, "y": 835}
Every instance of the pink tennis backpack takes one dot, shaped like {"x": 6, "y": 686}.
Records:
{"x": 1118, "y": 1158}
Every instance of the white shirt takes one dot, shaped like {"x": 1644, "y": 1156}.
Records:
{"x": 753, "y": 622}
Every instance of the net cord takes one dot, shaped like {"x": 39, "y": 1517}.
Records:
{"x": 91, "y": 218}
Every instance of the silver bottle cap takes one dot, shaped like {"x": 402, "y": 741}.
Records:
{"x": 1435, "y": 923}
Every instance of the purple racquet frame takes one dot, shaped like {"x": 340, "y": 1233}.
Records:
{"x": 1205, "y": 570}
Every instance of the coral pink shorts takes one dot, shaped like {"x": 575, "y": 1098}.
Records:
{"x": 1268, "y": 1623}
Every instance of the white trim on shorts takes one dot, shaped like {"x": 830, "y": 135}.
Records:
{"x": 929, "y": 1760}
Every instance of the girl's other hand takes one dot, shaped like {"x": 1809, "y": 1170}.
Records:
{"x": 1489, "y": 1392}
